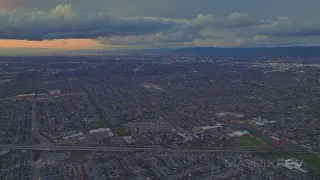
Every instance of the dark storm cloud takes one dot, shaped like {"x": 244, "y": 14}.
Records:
{"x": 63, "y": 22}
{"x": 310, "y": 32}
{"x": 154, "y": 39}
{"x": 187, "y": 32}
{"x": 291, "y": 27}
{"x": 293, "y": 31}
{"x": 182, "y": 9}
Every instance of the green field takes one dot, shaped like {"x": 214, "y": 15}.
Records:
{"x": 65, "y": 143}
{"x": 42, "y": 172}
{"x": 249, "y": 142}
{"x": 97, "y": 124}
{"x": 122, "y": 131}
{"x": 60, "y": 102}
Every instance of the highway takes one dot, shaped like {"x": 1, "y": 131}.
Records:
{"x": 142, "y": 149}
{"x": 34, "y": 171}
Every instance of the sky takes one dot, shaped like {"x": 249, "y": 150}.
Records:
{"x": 37, "y": 26}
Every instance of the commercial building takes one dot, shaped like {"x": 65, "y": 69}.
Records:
{"x": 54, "y": 91}
{"x": 74, "y": 136}
{"x": 129, "y": 140}
{"x": 101, "y": 131}
{"x": 238, "y": 133}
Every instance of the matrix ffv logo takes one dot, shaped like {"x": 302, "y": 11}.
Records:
{"x": 263, "y": 163}
{"x": 289, "y": 162}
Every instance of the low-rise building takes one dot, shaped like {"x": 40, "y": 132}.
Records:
{"x": 129, "y": 140}
{"x": 54, "y": 91}
{"x": 101, "y": 131}
{"x": 238, "y": 133}
{"x": 74, "y": 136}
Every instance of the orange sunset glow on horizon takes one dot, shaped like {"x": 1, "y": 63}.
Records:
{"x": 68, "y": 44}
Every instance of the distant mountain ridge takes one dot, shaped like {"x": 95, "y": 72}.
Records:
{"x": 311, "y": 51}
{"x": 263, "y": 51}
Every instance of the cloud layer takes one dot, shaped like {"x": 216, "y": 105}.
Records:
{"x": 235, "y": 29}
{"x": 64, "y": 22}
{"x": 291, "y": 27}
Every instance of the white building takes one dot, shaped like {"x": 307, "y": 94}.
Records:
{"x": 210, "y": 127}
{"x": 101, "y": 131}
{"x": 275, "y": 138}
{"x": 259, "y": 123}
{"x": 206, "y": 128}
{"x": 185, "y": 137}
{"x": 54, "y": 91}
{"x": 129, "y": 140}
{"x": 238, "y": 133}
{"x": 3, "y": 152}
{"x": 110, "y": 134}
{"x": 74, "y": 136}
{"x": 27, "y": 95}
